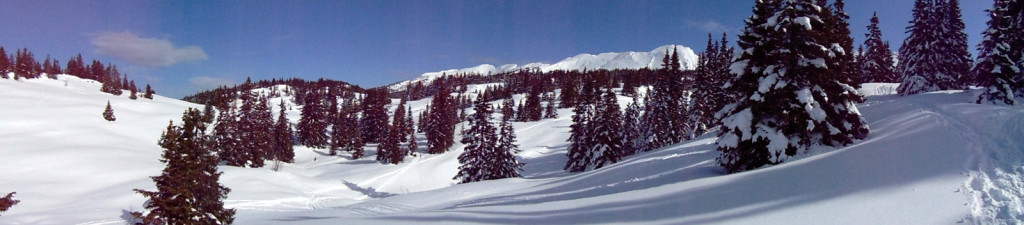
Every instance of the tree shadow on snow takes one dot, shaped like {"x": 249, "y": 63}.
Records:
{"x": 712, "y": 197}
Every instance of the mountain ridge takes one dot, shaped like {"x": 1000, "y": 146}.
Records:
{"x": 584, "y": 61}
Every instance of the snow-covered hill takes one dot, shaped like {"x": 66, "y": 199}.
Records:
{"x": 930, "y": 159}
{"x": 608, "y": 61}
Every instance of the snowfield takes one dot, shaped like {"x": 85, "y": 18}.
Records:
{"x": 932, "y": 158}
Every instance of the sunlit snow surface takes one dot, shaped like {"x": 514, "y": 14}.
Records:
{"x": 931, "y": 158}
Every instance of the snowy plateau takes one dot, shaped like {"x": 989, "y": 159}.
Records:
{"x": 933, "y": 158}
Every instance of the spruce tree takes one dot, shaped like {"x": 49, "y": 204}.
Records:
{"x": 135, "y": 91}
{"x": 532, "y": 111}
{"x": 5, "y": 63}
{"x": 580, "y": 144}
{"x": 108, "y": 113}
{"x": 934, "y": 56}
{"x": 605, "y": 132}
{"x": 188, "y": 190}
{"x": 312, "y": 127}
{"x": 877, "y": 64}
{"x": 632, "y": 137}
{"x": 410, "y": 130}
{"x": 789, "y": 99}
{"x": 440, "y": 127}
{"x": 149, "y": 92}
{"x": 374, "y": 123}
{"x": 506, "y": 165}
{"x": 480, "y": 145}
{"x": 283, "y": 137}
{"x": 227, "y": 137}
{"x": 1001, "y": 55}
{"x": 550, "y": 112}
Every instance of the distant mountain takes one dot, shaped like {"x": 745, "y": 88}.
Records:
{"x": 608, "y": 61}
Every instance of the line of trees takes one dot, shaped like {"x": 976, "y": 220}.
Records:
{"x": 24, "y": 66}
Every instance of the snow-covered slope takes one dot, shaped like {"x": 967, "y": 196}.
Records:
{"x": 608, "y": 61}
{"x": 930, "y": 159}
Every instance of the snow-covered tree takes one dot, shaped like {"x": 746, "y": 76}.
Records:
{"x": 188, "y": 190}
{"x": 108, "y": 113}
{"x": 632, "y": 138}
{"x": 505, "y": 163}
{"x": 606, "y": 131}
{"x": 789, "y": 99}
{"x": 934, "y": 56}
{"x": 480, "y": 144}
{"x": 149, "y": 92}
{"x": 580, "y": 143}
{"x": 708, "y": 95}
{"x": 312, "y": 126}
{"x": 283, "y": 137}
{"x": 877, "y": 63}
{"x": 440, "y": 125}
{"x": 1001, "y": 55}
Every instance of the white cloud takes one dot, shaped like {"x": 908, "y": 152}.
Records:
{"x": 150, "y": 52}
{"x": 208, "y": 83}
{"x": 708, "y": 26}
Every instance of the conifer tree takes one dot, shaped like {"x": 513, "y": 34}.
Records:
{"x": 549, "y": 110}
{"x": 188, "y": 190}
{"x": 412, "y": 146}
{"x": 5, "y": 63}
{"x": 441, "y": 121}
{"x": 312, "y": 127}
{"x": 877, "y": 64}
{"x": 631, "y": 130}
{"x": 532, "y": 111}
{"x": 934, "y": 56}
{"x": 108, "y": 113}
{"x": 605, "y": 132}
{"x": 1001, "y": 55}
{"x": 506, "y": 165}
{"x": 227, "y": 138}
{"x": 208, "y": 114}
{"x": 374, "y": 123}
{"x": 789, "y": 99}
{"x": 580, "y": 143}
{"x": 480, "y": 145}
{"x": 135, "y": 92}
{"x": 149, "y": 92}
{"x": 283, "y": 137}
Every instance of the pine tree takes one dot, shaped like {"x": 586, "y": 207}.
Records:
{"x": 227, "y": 138}
{"x": 149, "y": 92}
{"x": 631, "y": 130}
{"x": 934, "y": 56}
{"x": 283, "y": 151}
{"x": 1001, "y": 55}
{"x": 532, "y": 111}
{"x": 208, "y": 114}
{"x": 789, "y": 99}
{"x": 877, "y": 65}
{"x": 374, "y": 123}
{"x": 580, "y": 143}
{"x": 441, "y": 121}
{"x": 338, "y": 131}
{"x": 188, "y": 190}
{"x": 312, "y": 127}
{"x": 605, "y": 132}
{"x": 480, "y": 144}
{"x": 108, "y": 113}
{"x": 549, "y": 111}
{"x": 5, "y": 63}
{"x": 410, "y": 130}
{"x": 506, "y": 165}
{"x": 135, "y": 91}
{"x": 388, "y": 151}
{"x": 667, "y": 109}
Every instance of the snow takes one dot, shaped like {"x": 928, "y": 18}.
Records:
{"x": 931, "y": 158}
{"x": 608, "y": 61}
{"x": 803, "y": 21}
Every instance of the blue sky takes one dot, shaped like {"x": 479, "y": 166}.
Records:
{"x": 185, "y": 46}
